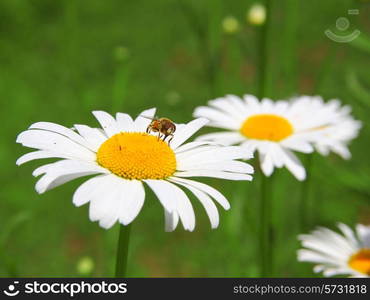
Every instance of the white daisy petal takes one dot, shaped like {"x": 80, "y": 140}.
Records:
{"x": 298, "y": 145}
{"x": 86, "y": 190}
{"x": 267, "y": 165}
{"x": 108, "y": 123}
{"x": 48, "y": 126}
{"x": 193, "y": 146}
{"x": 51, "y": 141}
{"x": 223, "y": 138}
{"x": 363, "y": 233}
{"x": 187, "y": 131}
{"x": 170, "y": 193}
{"x": 216, "y": 116}
{"x": 294, "y": 165}
{"x": 207, "y": 203}
{"x": 143, "y": 120}
{"x": 206, "y": 189}
{"x": 132, "y": 199}
{"x": 125, "y": 122}
{"x": 171, "y": 220}
{"x": 163, "y": 192}
{"x": 37, "y": 155}
{"x": 63, "y": 171}
{"x": 228, "y": 166}
{"x": 103, "y": 206}
{"x": 214, "y": 174}
{"x": 93, "y": 136}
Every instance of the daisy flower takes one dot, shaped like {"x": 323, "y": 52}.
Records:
{"x": 347, "y": 253}
{"x": 334, "y": 123}
{"x": 276, "y": 129}
{"x": 271, "y": 128}
{"x": 124, "y": 158}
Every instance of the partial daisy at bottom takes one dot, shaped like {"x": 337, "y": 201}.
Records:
{"x": 345, "y": 253}
{"x": 124, "y": 158}
{"x": 277, "y": 129}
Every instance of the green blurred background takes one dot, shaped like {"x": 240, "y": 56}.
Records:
{"x": 59, "y": 60}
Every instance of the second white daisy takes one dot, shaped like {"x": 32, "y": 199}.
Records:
{"x": 271, "y": 128}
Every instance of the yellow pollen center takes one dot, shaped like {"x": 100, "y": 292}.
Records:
{"x": 134, "y": 155}
{"x": 360, "y": 261}
{"x": 266, "y": 127}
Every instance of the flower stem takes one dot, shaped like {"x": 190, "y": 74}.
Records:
{"x": 266, "y": 259}
{"x": 304, "y": 209}
{"x": 122, "y": 250}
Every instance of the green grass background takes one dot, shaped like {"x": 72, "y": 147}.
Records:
{"x": 59, "y": 60}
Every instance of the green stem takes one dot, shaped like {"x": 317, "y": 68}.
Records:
{"x": 304, "y": 204}
{"x": 266, "y": 260}
{"x": 122, "y": 250}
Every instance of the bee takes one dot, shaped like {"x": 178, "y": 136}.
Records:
{"x": 164, "y": 126}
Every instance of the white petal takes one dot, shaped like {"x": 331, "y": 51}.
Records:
{"x": 217, "y": 117}
{"x": 293, "y": 165}
{"x": 51, "y": 141}
{"x": 207, "y": 203}
{"x": 171, "y": 220}
{"x": 193, "y": 146}
{"x": 93, "y": 136}
{"x": 86, "y": 191}
{"x": 228, "y": 106}
{"x": 214, "y": 174}
{"x": 348, "y": 232}
{"x": 143, "y": 120}
{"x": 228, "y": 166}
{"x": 267, "y": 165}
{"x": 132, "y": 196}
{"x": 37, "y": 155}
{"x": 63, "y": 171}
{"x": 187, "y": 131}
{"x": 207, "y": 189}
{"x": 125, "y": 122}
{"x": 363, "y": 233}
{"x": 105, "y": 203}
{"x": 223, "y": 138}
{"x": 162, "y": 191}
{"x": 312, "y": 256}
{"x": 107, "y": 122}
{"x": 297, "y": 145}
{"x": 170, "y": 193}
{"x": 48, "y": 126}
{"x": 214, "y": 154}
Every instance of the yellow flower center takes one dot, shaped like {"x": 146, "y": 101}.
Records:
{"x": 134, "y": 155}
{"x": 360, "y": 261}
{"x": 267, "y": 127}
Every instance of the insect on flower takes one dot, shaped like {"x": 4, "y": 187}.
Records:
{"x": 163, "y": 126}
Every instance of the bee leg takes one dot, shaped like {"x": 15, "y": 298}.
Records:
{"x": 159, "y": 136}
{"x": 171, "y": 137}
{"x": 148, "y": 129}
